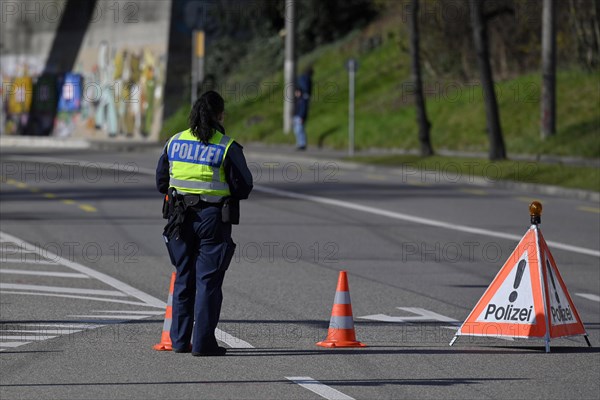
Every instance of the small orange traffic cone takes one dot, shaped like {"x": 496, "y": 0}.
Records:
{"x": 341, "y": 326}
{"x": 165, "y": 338}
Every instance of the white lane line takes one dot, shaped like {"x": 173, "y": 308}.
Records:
{"x": 103, "y": 322}
{"x": 44, "y": 273}
{"x": 589, "y": 296}
{"x": 417, "y": 220}
{"x": 131, "y": 312}
{"x": 70, "y": 326}
{"x": 12, "y": 344}
{"x": 25, "y": 337}
{"x": 109, "y": 280}
{"x": 25, "y": 261}
{"x": 72, "y": 296}
{"x": 232, "y": 341}
{"x": 57, "y": 289}
{"x": 46, "y": 331}
{"x": 317, "y": 387}
{"x": 111, "y": 316}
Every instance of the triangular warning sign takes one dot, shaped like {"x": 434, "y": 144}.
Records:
{"x": 563, "y": 318}
{"x": 526, "y": 299}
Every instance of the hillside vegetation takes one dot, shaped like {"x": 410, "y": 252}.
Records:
{"x": 385, "y": 116}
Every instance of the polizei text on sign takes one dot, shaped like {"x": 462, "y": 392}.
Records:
{"x": 509, "y": 313}
{"x": 560, "y": 314}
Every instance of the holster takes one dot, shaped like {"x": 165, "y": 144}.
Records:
{"x": 176, "y": 219}
{"x": 169, "y": 203}
{"x": 230, "y": 212}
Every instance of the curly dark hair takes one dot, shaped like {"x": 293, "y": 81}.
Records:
{"x": 204, "y": 117}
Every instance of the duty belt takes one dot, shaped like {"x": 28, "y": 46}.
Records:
{"x": 195, "y": 202}
{"x": 180, "y": 205}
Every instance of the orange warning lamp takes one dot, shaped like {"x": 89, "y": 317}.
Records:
{"x": 535, "y": 210}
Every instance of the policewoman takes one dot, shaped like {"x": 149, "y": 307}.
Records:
{"x": 204, "y": 173}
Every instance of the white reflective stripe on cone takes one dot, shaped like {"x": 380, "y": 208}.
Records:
{"x": 342, "y": 298}
{"x": 341, "y": 322}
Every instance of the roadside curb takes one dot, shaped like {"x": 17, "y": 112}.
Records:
{"x": 36, "y": 142}
{"x": 47, "y": 142}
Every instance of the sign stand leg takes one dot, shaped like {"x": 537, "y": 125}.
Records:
{"x": 547, "y": 344}
{"x": 587, "y": 340}
{"x": 456, "y": 337}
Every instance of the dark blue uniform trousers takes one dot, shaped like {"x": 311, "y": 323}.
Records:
{"x": 201, "y": 254}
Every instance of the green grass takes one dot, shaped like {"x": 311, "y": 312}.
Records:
{"x": 587, "y": 178}
{"x": 385, "y": 117}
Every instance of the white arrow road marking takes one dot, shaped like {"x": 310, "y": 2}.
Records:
{"x": 423, "y": 316}
{"x": 589, "y": 296}
{"x": 319, "y": 388}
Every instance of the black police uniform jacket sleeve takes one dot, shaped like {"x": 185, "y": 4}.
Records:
{"x": 162, "y": 172}
{"x": 237, "y": 174}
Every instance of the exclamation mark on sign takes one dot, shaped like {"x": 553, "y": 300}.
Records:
{"x": 520, "y": 269}
{"x": 552, "y": 280}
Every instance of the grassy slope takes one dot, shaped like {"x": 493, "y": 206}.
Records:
{"x": 586, "y": 178}
{"x": 385, "y": 117}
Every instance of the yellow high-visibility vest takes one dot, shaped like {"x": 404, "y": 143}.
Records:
{"x": 197, "y": 168}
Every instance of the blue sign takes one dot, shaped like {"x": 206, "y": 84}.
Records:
{"x": 70, "y": 93}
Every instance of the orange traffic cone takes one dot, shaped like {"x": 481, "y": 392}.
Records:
{"x": 341, "y": 326}
{"x": 165, "y": 337}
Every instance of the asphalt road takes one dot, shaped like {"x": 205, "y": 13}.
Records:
{"x": 84, "y": 280}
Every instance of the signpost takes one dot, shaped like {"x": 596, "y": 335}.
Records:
{"x": 198, "y": 39}
{"x": 352, "y": 67}
{"x": 289, "y": 66}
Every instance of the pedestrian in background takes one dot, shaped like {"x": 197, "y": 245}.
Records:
{"x": 302, "y": 95}
{"x": 205, "y": 174}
